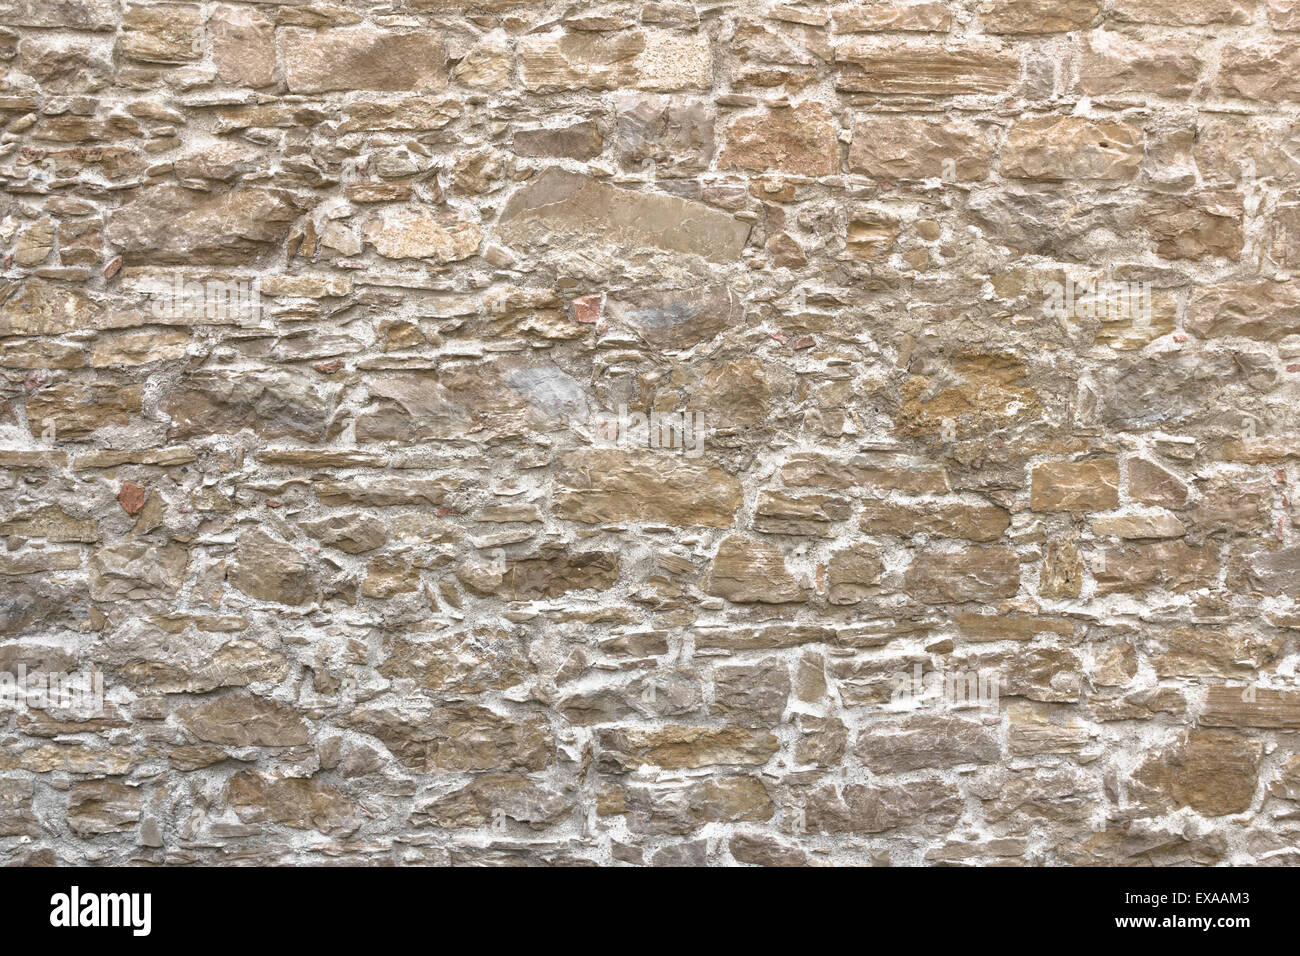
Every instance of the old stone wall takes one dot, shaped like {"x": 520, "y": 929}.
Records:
{"x": 739, "y": 432}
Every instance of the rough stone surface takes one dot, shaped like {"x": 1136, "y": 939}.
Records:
{"x": 775, "y": 434}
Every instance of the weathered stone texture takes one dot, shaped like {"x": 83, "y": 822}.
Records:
{"x": 774, "y": 434}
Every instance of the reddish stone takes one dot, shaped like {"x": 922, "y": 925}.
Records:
{"x": 587, "y": 309}
{"x": 131, "y": 497}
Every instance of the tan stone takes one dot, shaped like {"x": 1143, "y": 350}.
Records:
{"x": 649, "y": 60}
{"x": 925, "y": 741}
{"x": 751, "y": 695}
{"x": 1075, "y": 486}
{"x": 803, "y": 140}
{"x": 824, "y": 471}
{"x": 1113, "y": 63}
{"x": 1150, "y": 484}
{"x": 1249, "y": 706}
{"x": 162, "y": 33}
{"x": 493, "y": 799}
{"x": 746, "y": 570}
{"x": 1212, "y": 771}
{"x": 853, "y": 574}
{"x": 926, "y": 69}
{"x": 678, "y": 747}
{"x": 1164, "y": 564}
{"x": 271, "y": 570}
{"x": 1262, "y": 68}
{"x": 1182, "y": 12}
{"x": 972, "y": 522}
{"x": 1028, "y": 16}
{"x": 168, "y": 224}
{"x": 911, "y": 148}
{"x": 779, "y": 512}
{"x": 415, "y": 232}
{"x": 1256, "y": 310}
{"x": 924, "y": 16}
{"x": 460, "y": 738}
{"x": 134, "y": 571}
{"x": 1072, "y": 148}
{"x": 240, "y": 720}
{"x": 972, "y": 574}
{"x": 821, "y": 741}
{"x": 362, "y": 58}
{"x": 597, "y": 486}
{"x": 1283, "y": 15}
{"x": 243, "y": 46}
{"x": 1157, "y": 525}
{"x": 1060, "y": 577}
{"x": 1211, "y": 652}
{"x": 75, "y": 409}
{"x": 102, "y": 806}
{"x": 1206, "y": 223}
{"x": 559, "y": 203}
{"x": 861, "y": 808}
{"x": 292, "y": 801}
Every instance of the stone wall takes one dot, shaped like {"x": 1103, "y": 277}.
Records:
{"x": 961, "y": 532}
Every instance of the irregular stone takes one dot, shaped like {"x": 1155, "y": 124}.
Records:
{"x": 243, "y": 46}
{"x": 1212, "y": 771}
{"x": 274, "y": 404}
{"x": 240, "y": 720}
{"x": 102, "y": 806}
{"x": 915, "y": 69}
{"x": 576, "y": 141}
{"x": 415, "y": 232}
{"x": 649, "y": 60}
{"x": 905, "y": 148}
{"x": 860, "y": 808}
{"x": 673, "y": 135}
{"x": 271, "y": 570}
{"x": 491, "y": 800}
{"x": 168, "y": 224}
{"x": 1072, "y": 148}
{"x": 751, "y": 696}
{"x": 1266, "y": 311}
{"x": 456, "y": 738}
{"x": 362, "y": 58}
{"x": 1182, "y": 13}
{"x": 559, "y": 204}
{"x": 352, "y": 533}
{"x": 137, "y": 571}
{"x": 924, "y": 741}
{"x": 972, "y": 522}
{"x": 1114, "y": 63}
{"x": 1260, "y": 69}
{"x": 76, "y": 409}
{"x": 678, "y": 747}
{"x": 972, "y": 574}
{"x": 293, "y": 801}
{"x": 1024, "y": 16}
{"x": 16, "y": 816}
{"x": 1075, "y": 485}
{"x": 852, "y": 575}
{"x": 746, "y": 570}
{"x": 803, "y": 140}
{"x": 597, "y": 486}
{"x": 1174, "y": 565}
{"x": 162, "y": 33}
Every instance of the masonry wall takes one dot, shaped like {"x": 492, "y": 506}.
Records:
{"x": 650, "y": 433}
